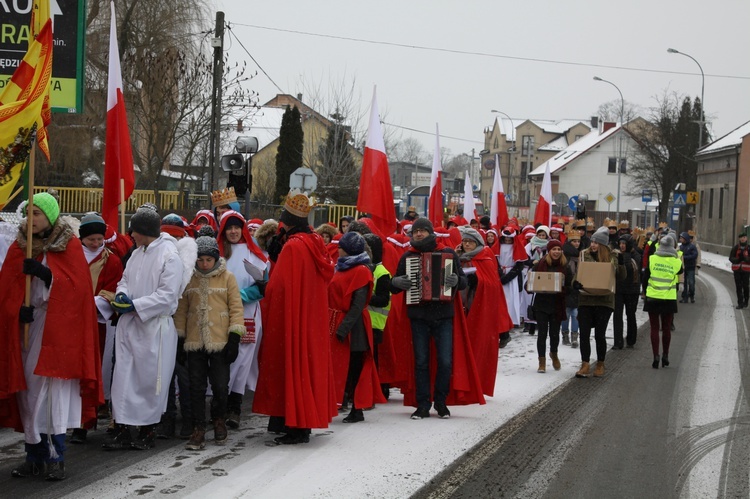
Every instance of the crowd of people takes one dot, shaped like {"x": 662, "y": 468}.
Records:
{"x": 313, "y": 321}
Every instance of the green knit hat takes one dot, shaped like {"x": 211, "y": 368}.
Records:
{"x": 48, "y": 204}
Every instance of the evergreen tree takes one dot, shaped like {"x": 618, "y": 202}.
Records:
{"x": 289, "y": 154}
{"x": 338, "y": 176}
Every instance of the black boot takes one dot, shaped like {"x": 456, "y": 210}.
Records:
{"x": 166, "y": 429}
{"x": 664, "y": 360}
{"x": 146, "y": 438}
{"x": 121, "y": 439}
{"x": 55, "y": 472}
{"x": 294, "y": 436}
{"x": 355, "y": 416}
{"x": 655, "y": 363}
{"x": 79, "y": 436}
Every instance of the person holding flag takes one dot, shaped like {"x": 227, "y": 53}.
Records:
{"x": 543, "y": 212}
{"x": 499, "y": 209}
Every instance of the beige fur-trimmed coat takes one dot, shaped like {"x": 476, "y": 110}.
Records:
{"x": 209, "y": 310}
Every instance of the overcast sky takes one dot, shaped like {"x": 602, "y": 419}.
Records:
{"x": 533, "y": 59}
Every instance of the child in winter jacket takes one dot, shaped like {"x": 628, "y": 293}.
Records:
{"x": 210, "y": 322}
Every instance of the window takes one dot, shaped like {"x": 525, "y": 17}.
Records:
{"x": 711, "y": 203}
{"x": 721, "y": 203}
{"x": 526, "y": 168}
{"x": 624, "y": 165}
{"x": 528, "y": 145}
{"x": 612, "y": 165}
{"x": 497, "y": 144}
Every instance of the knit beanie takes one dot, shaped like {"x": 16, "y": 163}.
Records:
{"x": 352, "y": 243}
{"x": 601, "y": 236}
{"x": 423, "y": 223}
{"x": 472, "y": 234}
{"x": 205, "y": 230}
{"x": 48, "y": 204}
{"x": 376, "y": 247}
{"x": 207, "y": 246}
{"x": 554, "y": 243}
{"x": 543, "y": 228}
{"x": 173, "y": 225}
{"x": 146, "y": 222}
{"x": 91, "y": 223}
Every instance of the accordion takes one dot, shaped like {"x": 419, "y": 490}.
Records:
{"x": 427, "y": 273}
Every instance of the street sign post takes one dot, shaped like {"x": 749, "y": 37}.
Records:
{"x": 646, "y": 195}
{"x": 680, "y": 199}
{"x": 303, "y": 179}
{"x": 693, "y": 197}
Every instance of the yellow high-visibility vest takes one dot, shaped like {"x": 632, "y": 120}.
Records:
{"x": 662, "y": 281}
{"x": 378, "y": 315}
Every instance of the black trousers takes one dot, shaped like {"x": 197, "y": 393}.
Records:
{"x": 547, "y": 323}
{"x": 597, "y": 318}
{"x": 742, "y": 283}
{"x": 203, "y": 365}
{"x": 356, "y": 362}
{"x": 628, "y": 303}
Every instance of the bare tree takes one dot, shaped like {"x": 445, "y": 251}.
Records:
{"x": 409, "y": 150}
{"x": 610, "y": 111}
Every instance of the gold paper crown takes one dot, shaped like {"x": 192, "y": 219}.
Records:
{"x": 691, "y": 233}
{"x": 223, "y": 197}
{"x": 297, "y": 203}
{"x": 624, "y": 224}
{"x": 663, "y": 225}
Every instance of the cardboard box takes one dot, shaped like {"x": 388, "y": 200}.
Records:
{"x": 545, "y": 282}
{"x": 596, "y": 278}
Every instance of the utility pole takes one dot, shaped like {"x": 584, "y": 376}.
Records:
{"x": 217, "y": 42}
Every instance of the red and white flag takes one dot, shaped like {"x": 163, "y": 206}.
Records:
{"x": 543, "y": 212}
{"x": 118, "y": 156}
{"x": 375, "y": 190}
{"x": 470, "y": 209}
{"x": 499, "y": 209}
{"x": 435, "y": 208}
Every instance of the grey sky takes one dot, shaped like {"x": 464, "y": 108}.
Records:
{"x": 417, "y": 88}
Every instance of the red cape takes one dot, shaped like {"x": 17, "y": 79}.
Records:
{"x": 487, "y": 318}
{"x": 70, "y": 345}
{"x": 393, "y": 353}
{"x": 343, "y": 285}
{"x": 296, "y": 379}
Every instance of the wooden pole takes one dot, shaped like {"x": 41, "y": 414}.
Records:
{"x": 29, "y": 235}
{"x": 122, "y": 206}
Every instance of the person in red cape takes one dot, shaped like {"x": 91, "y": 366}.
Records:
{"x": 53, "y": 382}
{"x": 204, "y": 217}
{"x": 433, "y": 320}
{"x": 484, "y": 301}
{"x": 106, "y": 270}
{"x": 295, "y": 382}
{"x": 328, "y": 232}
{"x": 492, "y": 239}
{"x": 354, "y": 370}
{"x": 119, "y": 244}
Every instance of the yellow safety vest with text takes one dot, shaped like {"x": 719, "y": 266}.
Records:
{"x": 379, "y": 315}
{"x": 662, "y": 281}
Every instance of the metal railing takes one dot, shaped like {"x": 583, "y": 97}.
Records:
{"x": 84, "y": 199}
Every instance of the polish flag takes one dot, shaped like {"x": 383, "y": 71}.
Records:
{"x": 435, "y": 209}
{"x": 499, "y": 209}
{"x": 375, "y": 191}
{"x": 470, "y": 210}
{"x": 118, "y": 156}
{"x": 543, "y": 212}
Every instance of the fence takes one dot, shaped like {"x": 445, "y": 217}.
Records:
{"x": 84, "y": 199}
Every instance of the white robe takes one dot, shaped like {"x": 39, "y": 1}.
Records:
{"x": 243, "y": 373}
{"x": 146, "y": 340}
{"x": 44, "y": 396}
{"x": 512, "y": 294}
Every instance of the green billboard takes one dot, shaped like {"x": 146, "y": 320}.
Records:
{"x": 69, "y": 30}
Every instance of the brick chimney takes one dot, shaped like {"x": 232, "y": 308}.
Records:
{"x": 607, "y": 125}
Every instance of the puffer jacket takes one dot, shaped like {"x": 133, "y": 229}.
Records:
{"x": 209, "y": 310}
{"x": 572, "y": 253}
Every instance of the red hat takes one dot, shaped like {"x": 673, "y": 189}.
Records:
{"x": 553, "y": 243}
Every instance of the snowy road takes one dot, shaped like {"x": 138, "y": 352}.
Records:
{"x": 701, "y": 420}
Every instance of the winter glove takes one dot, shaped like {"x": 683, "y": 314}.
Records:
{"x": 577, "y": 286}
{"x": 36, "y": 269}
{"x": 401, "y": 282}
{"x": 620, "y": 259}
{"x": 341, "y": 336}
{"x": 122, "y": 304}
{"x": 232, "y": 348}
{"x": 181, "y": 353}
{"x": 26, "y": 314}
{"x": 451, "y": 280}
{"x": 261, "y": 287}
{"x": 472, "y": 280}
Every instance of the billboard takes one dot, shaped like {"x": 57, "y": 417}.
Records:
{"x": 68, "y": 21}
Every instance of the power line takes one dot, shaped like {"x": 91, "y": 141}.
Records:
{"x": 231, "y": 34}
{"x": 430, "y": 133}
{"x": 486, "y": 54}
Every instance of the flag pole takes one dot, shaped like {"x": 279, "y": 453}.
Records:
{"x": 122, "y": 205}
{"x": 29, "y": 235}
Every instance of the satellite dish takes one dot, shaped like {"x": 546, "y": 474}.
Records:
{"x": 561, "y": 199}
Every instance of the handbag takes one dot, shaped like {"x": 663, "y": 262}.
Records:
{"x": 530, "y": 313}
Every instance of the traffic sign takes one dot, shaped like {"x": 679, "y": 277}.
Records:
{"x": 609, "y": 198}
{"x": 646, "y": 195}
{"x": 675, "y": 213}
{"x": 693, "y": 197}
{"x": 573, "y": 202}
{"x": 680, "y": 199}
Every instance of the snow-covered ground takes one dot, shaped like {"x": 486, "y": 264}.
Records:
{"x": 716, "y": 260}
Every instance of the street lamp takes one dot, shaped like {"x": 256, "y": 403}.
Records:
{"x": 512, "y": 150}
{"x": 619, "y": 153}
{"x": 703, "y": 84}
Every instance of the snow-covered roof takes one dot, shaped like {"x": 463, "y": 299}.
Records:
{"x": 558, "y": 126}
{"x": 506, "y": 128}
{"x": 558, "y": 144}
{"x": 730, "y": 140}
{"x": 575, "y": 150}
